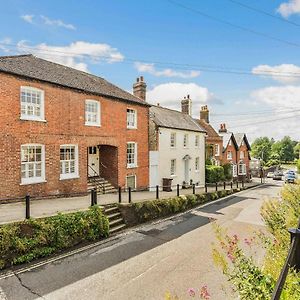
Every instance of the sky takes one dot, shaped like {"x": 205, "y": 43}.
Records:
{"x": 240, "y": 57}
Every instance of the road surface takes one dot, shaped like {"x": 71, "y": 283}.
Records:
{"x": 146, "y": 261}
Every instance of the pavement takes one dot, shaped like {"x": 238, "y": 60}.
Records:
{"x": 146, "y": 261}
{"x": 12, "y": 212}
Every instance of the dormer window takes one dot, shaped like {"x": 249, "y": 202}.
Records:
{"x": 32, "y": 104}
{"x": 92, "y": 113}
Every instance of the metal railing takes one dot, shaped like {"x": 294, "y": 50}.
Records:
{"x": 95, "y": 179}
{"x": 292, "y": 261}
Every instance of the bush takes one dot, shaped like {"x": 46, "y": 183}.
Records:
{"x": 152, "y": 209}
{"x": 214, "y": 174}
{"x": 227, "y": 171}
{"x": 298, "y": 166}
{"x": 34, "y": 238}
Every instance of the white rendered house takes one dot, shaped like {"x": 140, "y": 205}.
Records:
{"x": 177, "y": 147}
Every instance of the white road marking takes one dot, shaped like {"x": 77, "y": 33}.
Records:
{"x": 2, "y": 294}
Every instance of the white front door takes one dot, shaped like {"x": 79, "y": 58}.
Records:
{"x": 186, "y": 171}
{"x": 93, "y": 161}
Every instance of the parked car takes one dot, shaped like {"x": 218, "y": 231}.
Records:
{"x": 290, "y": 177}
{"x": 270, "y": 175}
{"x": 277, "y": 176}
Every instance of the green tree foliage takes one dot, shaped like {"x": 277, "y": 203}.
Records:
{"x": 284, "y": 149}
{"x": 261, "y": 148}
{"x": 297, "y": 150}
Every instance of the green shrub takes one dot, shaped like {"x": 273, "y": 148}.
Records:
{"x": 214, "y": 174}
{"x": 34, "y": 238}
{"x": 227, "y": 171}
{"x": 298, "y": 166}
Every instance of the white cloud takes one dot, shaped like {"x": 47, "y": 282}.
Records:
{"x": 150, "y": 68}
{"x": 289, "y": 8}
{"x": 28, "y": 18}
{"x": 170, "y": 95}
{"x": 285, "y": 106}
{"x": 76, "y": 55}
{"x": 4, "y": 43}
{"x": 285, "y": 73}
{"x": 58, "y": 23}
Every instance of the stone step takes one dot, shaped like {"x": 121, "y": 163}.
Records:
{"x": 114, "y": 215}
{"x": 117, "y": 228}
{"x": 115, "y": 222}
{"x": 111, "y": 210}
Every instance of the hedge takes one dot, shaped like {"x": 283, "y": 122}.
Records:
{"x": 25, "y": 241}
{"x": 153, "y": 209}
{"x": 214, "y": 174}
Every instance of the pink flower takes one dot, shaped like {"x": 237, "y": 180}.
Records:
{"x": 230, "y": 256}
{"x": 204, "y": 294}
{"x": 248, "y": 242}
{"x": 192, "y": 292}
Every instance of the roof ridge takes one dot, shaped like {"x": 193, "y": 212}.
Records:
{"x": 12, "y": 56}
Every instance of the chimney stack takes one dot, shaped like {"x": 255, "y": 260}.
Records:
{"x": 204, "y": 113}
{"x": 139, "y": 88}
{"x": 223, "y": 128}
{"x": 186, "y": 105}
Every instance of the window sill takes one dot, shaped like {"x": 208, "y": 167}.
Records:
{"x": 173, "y": 175}
{"x": 33, "y": 119}
{"x": 197, "y": 171}
{"x": 69, "y": 178}
{"x": 131, "y": 127}
{"x": 92, "y": 125}
{"x": 33, "y": 182}
{"x": 132, "y": 167}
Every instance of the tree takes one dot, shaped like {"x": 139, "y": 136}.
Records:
{"x": 261, "y": 148}
{"x": 297, "y": 150}
{"x": 287, "y": 149}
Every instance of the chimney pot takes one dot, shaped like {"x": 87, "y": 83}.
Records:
{"x": 186, "y": 105}
{"x": 223, "y": 128}
{"x": 204, "y": 113}
{"x": 139, "y": 88}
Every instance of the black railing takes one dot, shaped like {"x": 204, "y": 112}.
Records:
{"x": 292, "y": 261}
{"x": 95, "y": 179}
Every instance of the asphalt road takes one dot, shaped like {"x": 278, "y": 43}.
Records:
{"x": 147, "y": 261}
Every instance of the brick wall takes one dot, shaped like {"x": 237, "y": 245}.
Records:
{"x": 65, "y": 118}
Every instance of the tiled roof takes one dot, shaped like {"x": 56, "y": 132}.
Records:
{"x": 36, "y": 68}
{"x": 239, "y": 137}
{"x": 208, "y": 128}
{"x": 168, "y": 118}
{"x": 226, "y": 138}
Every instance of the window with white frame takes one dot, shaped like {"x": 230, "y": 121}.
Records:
{"x": 197, "y": 164}
{"x": 242, "y": 168}
{"x": 173, "y": 167}
{"x": 229, "y": 154}
{"x": 32, "y": 104}
{"x": 32, "y": 163}
{"x": 242, "y": 154}
{"x": 131, "y": 118}
{"x": 131, "y": 155}
{"x": 217, "y": 149}
{"x": 173, "y": 140}
{"x": 197, "y": 141}
{"x": 185, "y": 140}
{"x": 68, "y": 161}
{"x": 92, "y": 113}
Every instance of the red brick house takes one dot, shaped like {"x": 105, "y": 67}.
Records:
{"x": 60, "y": 127}
{"x": 224, "y": 147}
{"x": 236, "y": 151}
{"x": 213, "y": 141}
